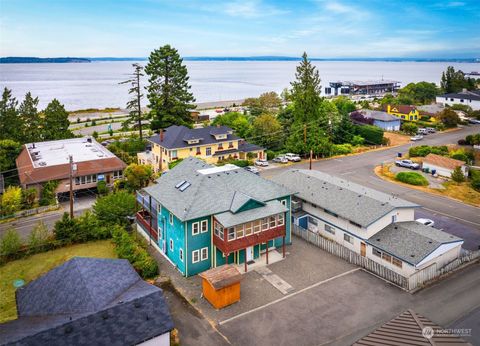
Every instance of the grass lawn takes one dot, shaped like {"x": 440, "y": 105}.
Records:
{"x": 34, "y": 266}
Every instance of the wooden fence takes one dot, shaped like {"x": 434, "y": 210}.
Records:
{"x": 418, "y": 279}
{"x": 28, "y": 212}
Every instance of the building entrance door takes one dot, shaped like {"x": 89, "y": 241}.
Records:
{"x": 249, "y": 251}
{"x": 363, "y": 249}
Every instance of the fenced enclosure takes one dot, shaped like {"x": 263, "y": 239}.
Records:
{"x": 416, "y": 280}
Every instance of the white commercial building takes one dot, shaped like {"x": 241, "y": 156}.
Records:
{"x": 467, "y": 98}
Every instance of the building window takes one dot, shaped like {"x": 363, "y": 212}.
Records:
{"x": 231, "y": 234}
{"x": 239, "y": 231}
{"x": 256, "y": 226}
{"x": 220, "y": 146}
{"x": 396, "y": 262}
{"x": 248, "y": 228}
{"x": 386, "y": 257}
{"x": 204, "y": 254}
{"x": 394, "y": 218}
{"x": 218, "y": 230}
{"x": 195, "y": 228}
{"x": 173, "y": 154}
{"x": 329, "y": 229}
{"x": 208, "y": 151}
{"x": 204, "y": 226}
{"x": 461, "y": 100}
{"x": 264, "y": 224}
{"x": 283, "y": 201}
{"x": 376, "y": 252}
{"x": 348, "y": 238}
{"x": 273, "y": 221}
{"x": 171, "y": 244}
{"x": 86, "y": 179}
{"x": 198, "y": 151}
{"x": 180, "y": 254}
{"x": 280, "y": 220}
{"x": 195, "y": 256}
{"x": 170, "y": 218}
{"x": 117, "y": 175}
{"x": 230, "y": 144}
{"x": 312, "y": 221}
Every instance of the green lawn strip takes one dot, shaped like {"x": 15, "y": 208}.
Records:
{"x": 34, "y": 266}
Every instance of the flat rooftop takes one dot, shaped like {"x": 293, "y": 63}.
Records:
{"x": 366, "y": 82}
{"x": 52, "y": 153}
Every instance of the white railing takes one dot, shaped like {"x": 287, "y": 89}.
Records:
{"x": 416, "y": 280}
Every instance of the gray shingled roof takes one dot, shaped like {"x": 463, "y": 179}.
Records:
{"x": 245, "y": 147}
{"x": 348, "y": 200}
{"x": 228, "y": 219}
{"x": 212, "y": 193}
{"x": 120, "y": 308}
{"x": 176, "y": 136}
{"x": 469, "y": 95}
{"x": 378, "y": 115}
{"x": 411, "y": 241}
{"x": 239, "y": 199}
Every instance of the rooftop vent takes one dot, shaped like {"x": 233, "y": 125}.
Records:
{"x": 184, "y": 186}
{"x": 42, "y": 163}
{"x": 180, "y": 184}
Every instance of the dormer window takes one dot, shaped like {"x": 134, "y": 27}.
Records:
{"x": 220, "y": 136}
{"x": 193, "y": 141}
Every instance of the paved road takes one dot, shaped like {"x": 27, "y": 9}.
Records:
{"x": 359, "y": 168}
{"x": 25, "y": 225}
{"x": 99, "y": 128}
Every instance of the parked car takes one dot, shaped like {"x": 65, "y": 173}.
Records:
{"x": 252, "y": 169}
{"x": 474, "y": 121}
{"x": 422, "y": 131}
{"x": 416, "y": 138}
{"x": 426, "y": 222}
{"x": 280, "y": 159}
{"x": 407, "y": 164}
{"x": 292, "y": 157}
{"x": 431, "y": 130}
{"x": 261, "y": 163}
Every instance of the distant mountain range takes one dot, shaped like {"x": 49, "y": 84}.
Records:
{"x": 33, "y": 60}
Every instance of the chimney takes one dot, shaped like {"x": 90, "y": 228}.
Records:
{"x": 464, "y": 90}
{"x": 161, "y": 135}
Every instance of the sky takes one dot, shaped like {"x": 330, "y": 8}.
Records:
{"x": 324, "y": 29}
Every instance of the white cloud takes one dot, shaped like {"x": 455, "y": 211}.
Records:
{"x": 251, "y": 9}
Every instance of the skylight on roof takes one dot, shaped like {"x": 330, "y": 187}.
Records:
{"x": 180, "y": 184}
{"x": 184, "y": 186}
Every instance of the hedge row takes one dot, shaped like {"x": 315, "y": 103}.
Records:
{"x": 424, "y": 150}
{"x": 412, "y": 178}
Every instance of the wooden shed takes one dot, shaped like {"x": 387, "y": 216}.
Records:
{"x": 221, "y": 285}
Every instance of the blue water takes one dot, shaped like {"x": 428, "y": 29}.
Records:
{"x": 95, "y": 85}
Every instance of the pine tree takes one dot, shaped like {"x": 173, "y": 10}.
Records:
{"x": 30, "y": 119}
{"x": 306, "y": 91}
{"x": 168, "y": 90}
{"x": 10, "y": 122}
{"x": 55, "y": 122}
{"x": 134, "y": 105}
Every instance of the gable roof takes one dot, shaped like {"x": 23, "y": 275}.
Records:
{"x": 378, "y": 115}
{"x": 350, "y": 201}
{"x": 411, "y": 241}
{"x": 406, "y": 109}
{"x": 443, "y": 161}
{"x": 473, "y": 95}
{"x": 119, "y": 305}
{"x": 239, "y": 200}
{"x": 175, "y": 137}
{"x": 212, "y": 189}
{"x": 229, "y": 219}
{"x": 222, "y": 276}
{"x": 407, "y": 328}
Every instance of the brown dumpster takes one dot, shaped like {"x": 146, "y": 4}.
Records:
{"x": 221, "y": 285}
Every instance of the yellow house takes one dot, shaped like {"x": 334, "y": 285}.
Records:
{"x": 406, "y": 112}
{"x": 212, "y": 144}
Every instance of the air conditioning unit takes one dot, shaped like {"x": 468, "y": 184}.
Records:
{"x": 296, "y": 206}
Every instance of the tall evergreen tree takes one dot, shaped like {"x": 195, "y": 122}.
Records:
{"x": 55, "y": 122}
{"x": 135, "y": 105}
{"x": 168, "y": 90}
{"x": 30, "y": 119}
{"x": 10, "y": 121}
{"x": 306, "y": 91}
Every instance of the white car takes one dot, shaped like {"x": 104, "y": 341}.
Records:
{"x": 261, "y": 163}
{"x": 416, "y": 138}
{"x": 292, "y": 157}
{"x": 252, "y": 169}
{"x": 280, "y": 159}
{"x": 426, "y": 222}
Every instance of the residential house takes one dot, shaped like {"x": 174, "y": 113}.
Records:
{"x": 45, "y": 161}
{"x": 89, "y": 301}
{"x": 200, "y": 216}
{"x": 374, "y": 224}
{"x": 443, "y": 165}
{"x": 383, "y": 120}
{"x": 410, "y": 113}
{"x": 464, "y": 97}
{"x": 211, "y": 143}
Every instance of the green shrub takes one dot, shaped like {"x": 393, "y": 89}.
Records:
{"x": 10, "y": 244}
{"x": 457, "y": 175}
{"x": 102, "y": 188}
{"x": 342, "y": 149}
{"x": 174, "y": 163}
{"x": 48, "y": 192}
{"x": 475, "y": 184}
{"x": 371, "y": 134}
{"x": 11, "y": 201}
{"x": 412, "y": 178}
{"x": 113, "y": 209}
{"x": 270, "y": 154}
{"x": 424, "y": 150}
{"x": 38, "y": 239}
{"x": 66, "y": 229}
{"x": 409, "y": 128}
{"x": 357, "y": 140}
{"x": 28, "y": 197}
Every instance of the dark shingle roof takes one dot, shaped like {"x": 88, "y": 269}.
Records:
{"x": 176, "y": 136}
{"x": 411, "y": 241}
{"x": 350, "y": 201}
{"x": 378, "y": 115}
{"x": 120, "y": 308}
{"x": 469, "y": 95}
{"x": 245, "y": 147}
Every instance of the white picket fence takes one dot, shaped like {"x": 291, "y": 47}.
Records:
{"x": 413, "y": 282}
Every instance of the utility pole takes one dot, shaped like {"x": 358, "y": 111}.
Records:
{"x": 70, "y": 159}
{"x": 311, "y": 154}
{"x": 305, "y": 134}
